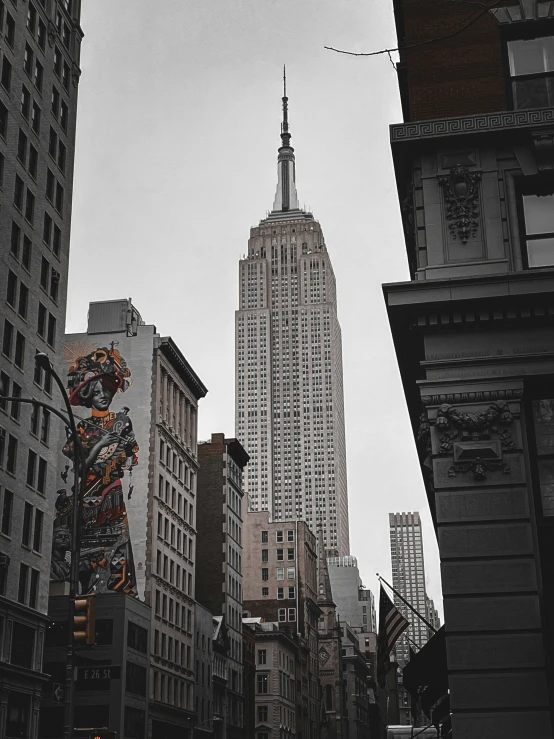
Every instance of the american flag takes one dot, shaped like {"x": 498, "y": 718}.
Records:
{"x": 391, "y": 625}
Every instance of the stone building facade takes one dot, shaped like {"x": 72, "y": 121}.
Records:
{"x": 219, "y": 555}
{"x": 39, "y": 60}
{"x": 473, "y": 335}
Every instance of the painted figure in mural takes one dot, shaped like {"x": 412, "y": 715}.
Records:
{"x": 106, "y": 562}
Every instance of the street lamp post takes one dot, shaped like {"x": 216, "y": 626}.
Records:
{"x": 79, "y": 468}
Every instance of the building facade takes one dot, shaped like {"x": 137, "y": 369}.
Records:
{"x": 203, "y": 670}
{"x": 280, "y": 585}
{"x": 473, "y": 336}
{"x": 289, "y": 385}
{"x": 39, "y": 74}
{"x": 355, "y": 681}
{"x": 355, "y": 604}
{"x": 219, "y": 555}
{"x": 154, "y": 457}
{"x": 119, "y": 701}
{"x": 408, "y": 578}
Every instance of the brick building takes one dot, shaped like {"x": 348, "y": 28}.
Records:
{"x": 474, "y": 162}
{"x": 39, "y": 74}
{"x": 219, "y": 561}
{"x": 280, "y": 585}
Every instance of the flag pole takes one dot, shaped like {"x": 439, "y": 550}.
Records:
{"x": 382, "y": 579}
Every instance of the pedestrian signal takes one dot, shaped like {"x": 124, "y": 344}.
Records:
{"x": 84, "y": 624}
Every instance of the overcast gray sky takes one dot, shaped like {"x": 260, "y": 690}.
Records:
{"x": 177, "y": 136}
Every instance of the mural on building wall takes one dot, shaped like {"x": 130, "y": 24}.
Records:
{"x": 110, "y": 448}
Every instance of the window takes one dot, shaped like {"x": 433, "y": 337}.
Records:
{"x": 292, "y": 614}
{"x": 42, "y": 471}
{"x": 265, "y": 556}
{"x": 262, "y": 683}
{"x": 41, "y": 35}
{"x": 7, "y": 340}
{"x": 280, "y": 573}
{"x": 3, "y": 120}
{"x": 262, "y": 656}
{"x": 23, "y": 581}
{"x": 11, "y": 291}
{"x": 35, "y": 119}
{"x": 33, "y": 590}
{"x": 64, "y": 115}
{"x": 45, "y": 426}
{"x": 31, "y": 468}
{"x": 280, "y": 555}
{"x": 282, "y": 615}
{"x": 27, "y": 523}
{"x": 265, "y": 592}
{"x": 22, "y": 148}
{"x": 16, "y": 393}
{"x": 51, "y": 337}
{"x": 280, "y": 593}
{"x": 33, "y": 162}
{"x": 10, "y": 30}
{"x": 26, "y": 255}
{"x": 41, "y": 322}
{"x": 37, "y": 533}
{"x": 292, "y": 593}
{"x": 290, "y": 554}
{"x": 6, "y": 75}
{"x": 265, "y": 573}
{"x": 38, "y": 75}
{"x": 23, "y": 300}
{"x": 11, "y": 461}
{"x": 50, "y": 185}
{"x": 25, "y": 103}
{"x": 19, "y": 357}
{"x": 264, "y": 537}
{"x": 15, "y": 239}
{"x": 290, "y": 535}
{"x": 18, "y": 190}
{"x": 538, "y": 211}
{"x": 291, "y": 573}
{"x": 532, "y": 72}
{"x": 262, "y": 714}
{"x": 7, "y": 510}
{"x": 30, "y": 206}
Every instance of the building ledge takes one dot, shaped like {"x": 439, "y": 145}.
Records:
{"x": 471, "y": 124}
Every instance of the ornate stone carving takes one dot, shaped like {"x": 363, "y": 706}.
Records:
{"x": 476, "y": 440}
{"x": 462, "y": 202}
{"x": 75, "y": 75}
{"x": 323, "y": 655}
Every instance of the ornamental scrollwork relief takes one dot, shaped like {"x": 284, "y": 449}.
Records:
{"x": 477, "y": 440}
{"x": 461, "y": 196}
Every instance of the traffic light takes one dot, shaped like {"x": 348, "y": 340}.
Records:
{"x": 102, "y": 734}
{"x": 84, "y": 622}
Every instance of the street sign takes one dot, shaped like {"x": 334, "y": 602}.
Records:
{"x": 98, "y": 672}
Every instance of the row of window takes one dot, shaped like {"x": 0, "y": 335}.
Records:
{"x": 172, "y": 611}
{"x": 172, "y": 649}
{"x": 282, "y": 593}
{"x": 279, "y": 536}
{"x": 280, "y": 555}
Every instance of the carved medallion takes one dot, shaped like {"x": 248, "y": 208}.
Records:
{"x": 323, "y": 655}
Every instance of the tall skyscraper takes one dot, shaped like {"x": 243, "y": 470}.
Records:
{"x": 39, "y": 75}
{"x": 408, "y": 578}
{"x": 289, "y": 389}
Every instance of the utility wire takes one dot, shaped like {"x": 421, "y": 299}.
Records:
{"x": 469, "y": 21}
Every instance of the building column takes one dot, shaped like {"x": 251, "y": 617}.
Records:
{"x": 474, "y": 434}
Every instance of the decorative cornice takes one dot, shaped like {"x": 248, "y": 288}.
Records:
{"x": 482, "y": 123}
{"x": 164, "y": 585}
{"x": 526, "y": 10}
{"x": 472, "y": 397}
{"x": 175, "y": 516}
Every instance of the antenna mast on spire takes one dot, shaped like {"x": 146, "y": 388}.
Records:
{"x": 285, "y": 135}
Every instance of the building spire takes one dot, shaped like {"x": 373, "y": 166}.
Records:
{"x": 285, "y": 198}
{"x": 285, "y": 135}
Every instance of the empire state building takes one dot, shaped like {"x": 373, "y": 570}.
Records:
{"x": 289, "y": 388}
